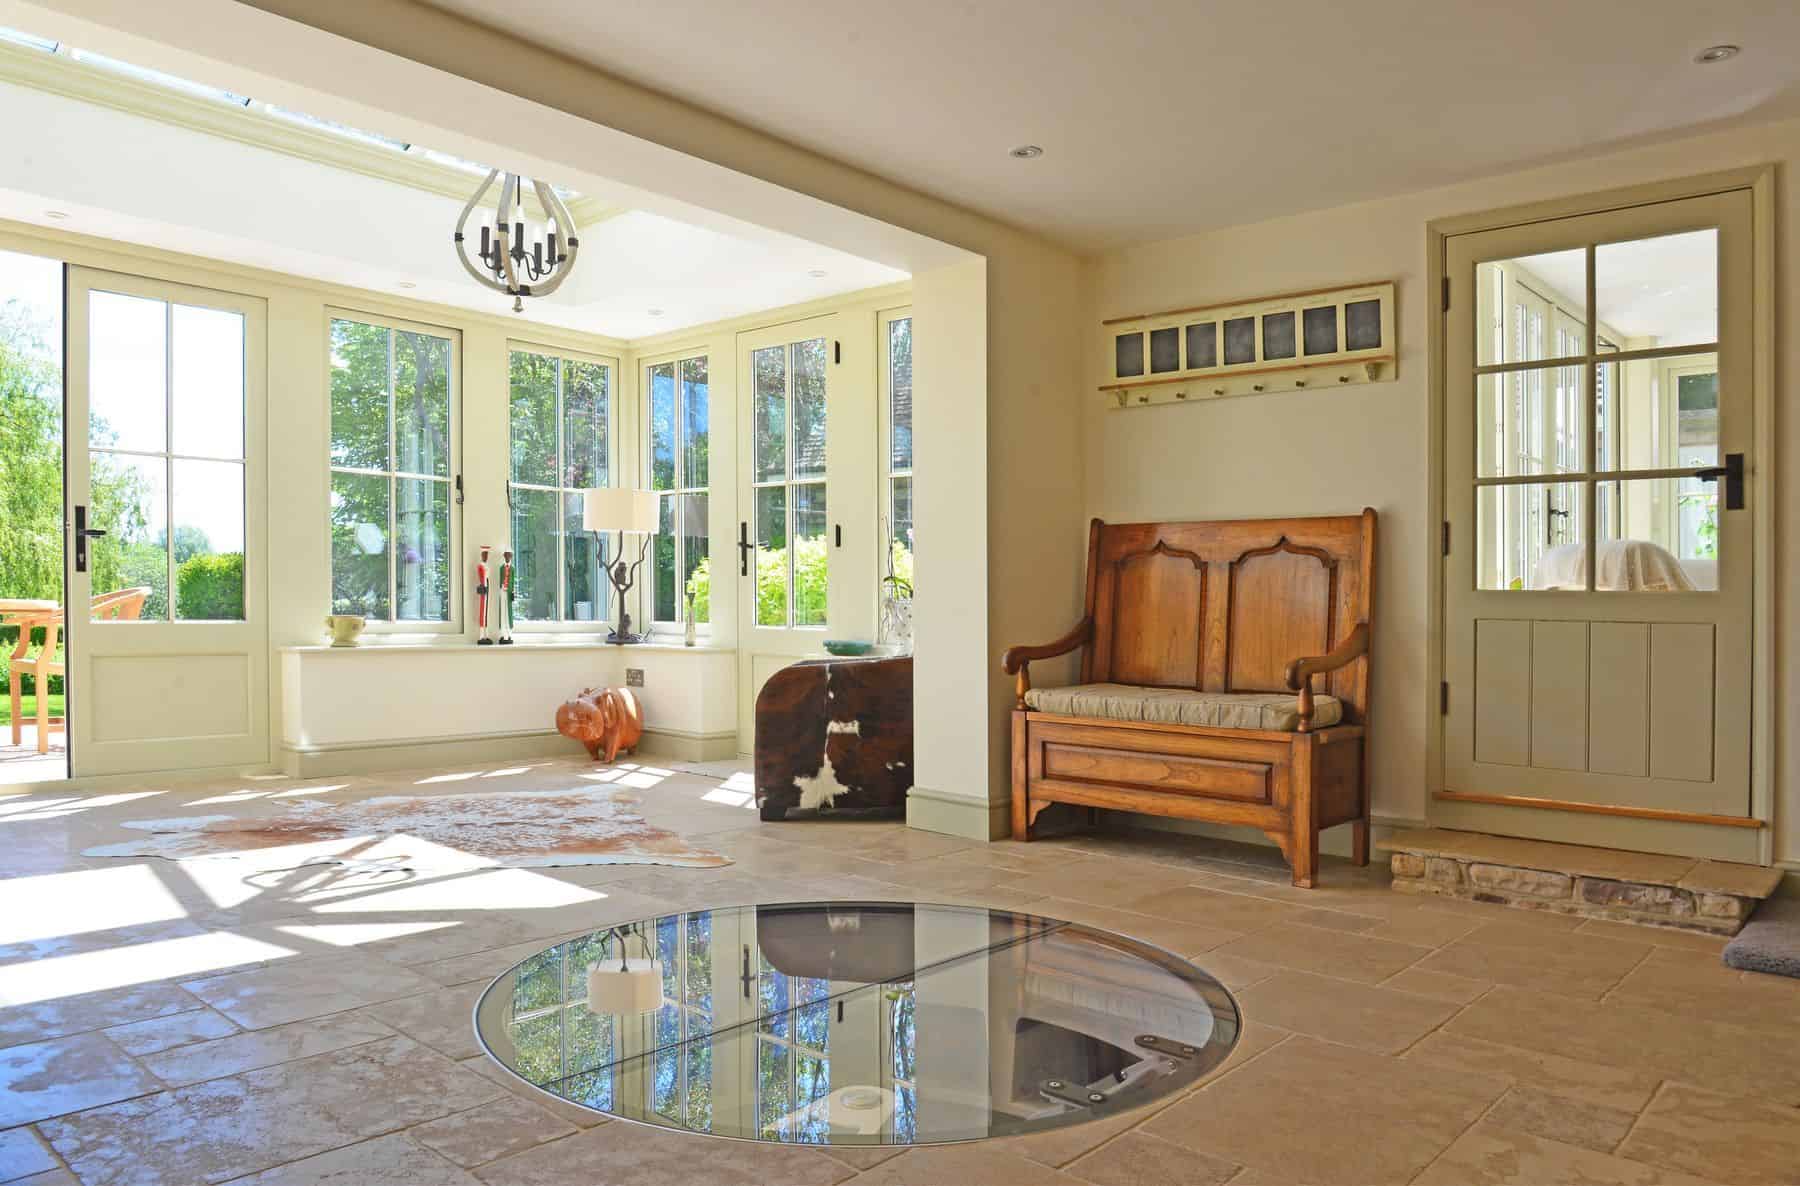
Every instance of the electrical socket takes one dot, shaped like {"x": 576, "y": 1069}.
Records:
{"x": 634, "y": 677}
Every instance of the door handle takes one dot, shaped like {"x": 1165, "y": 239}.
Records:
{"x": 743, "y": 547}
{"x": 84, "y": 533}
{"x": 1733, "y": 473}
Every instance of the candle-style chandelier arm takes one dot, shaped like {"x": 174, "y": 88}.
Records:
{"x": 563, "y": 260}
{"x": 462, "y": 221}
{"x": 505, "y": 263}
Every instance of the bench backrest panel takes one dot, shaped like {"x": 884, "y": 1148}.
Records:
{"x": 1223, "y": 606}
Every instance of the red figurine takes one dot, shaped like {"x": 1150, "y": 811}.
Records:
{"x": 481, "y": 596}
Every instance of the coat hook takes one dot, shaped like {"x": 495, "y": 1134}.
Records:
{"x": 1181, "y": 395}
{"x": 1256, "y": 387}
{"x": 1371, "y": 369}
{"x": 1343, "y": 378}
{"x": 1143, "y": 399}
{"x": 1218, "y": 391}
{"x": 1299, "y": 382}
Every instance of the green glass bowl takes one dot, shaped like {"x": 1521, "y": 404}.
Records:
{"x": 845, "y": 646}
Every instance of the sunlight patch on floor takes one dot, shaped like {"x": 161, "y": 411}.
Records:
{"x": 492, "y": 889}
{"x": 353, "y": 934}
{"x": 250, "y": 793}
{"x": 56, "y": 904}
{"x": 119, "y": 967}
{"x": 13, "y": 813}
{"x": 730, "y": 797}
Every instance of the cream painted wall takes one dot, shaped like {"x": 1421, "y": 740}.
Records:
{"x": 1330, "y": 451}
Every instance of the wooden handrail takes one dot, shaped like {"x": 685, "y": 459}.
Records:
{"x": 1017, "y": 660}
{"x": 1301, "y": 671}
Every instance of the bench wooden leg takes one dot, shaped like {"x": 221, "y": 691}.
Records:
{"x": 1303, "y": 849}
{"x": 1359, "y": 841}
{"x": 1021, "y": 783}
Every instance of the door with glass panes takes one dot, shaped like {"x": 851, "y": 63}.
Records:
{"x": 785, "y": 536}
{"x": 1598, "y": 563}
{"x": 167, "y": 597}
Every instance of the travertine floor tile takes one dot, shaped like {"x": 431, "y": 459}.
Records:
{"x": 1360, "y": 1015}
{"x": 1459, "y": 990}
{"x": 385, "y": 1161}
{"x": 1346, "y": 956}
{"x": 1489, "y": 1156}
{"x": 569, "y": 1113}
{"x": 254, "y": 1049}
{"x": 1656, "y": 936}
{"x": 1597, "y": 1083}
{"x": 225, "y": 1128}
{"x": 443, "y": 1019}
{"x": 1313, "y": 1112}
{"x": 42, "y": 1079}
{"x": 1139, "y": 1159}
{"x": 291, "y": 991}
{"x": 91, "y": 1011}
{"x": 490, "y": 1131}
{"x": 1230, "y": 912}
{"x": 1182, "y": 938}
{"x": 1146, "y": 889}
{"x": 1425, "y": 928}
{"x": 1691, "y": 982}
{"x": 1725, "y": 1138}
{"x": 165, "y": 1033}
{"x": 1529, "y": 958}
{"x": 639, "y": 1155}
{"x": 21, "y": 1153}
{"x": 976, "y": 1163}
{"x": 1571, "y": 1121}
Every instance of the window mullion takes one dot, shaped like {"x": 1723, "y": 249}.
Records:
{"x": 393, "y": 466}
{"x": 168, "y": 459}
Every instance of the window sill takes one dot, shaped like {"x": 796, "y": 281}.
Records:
{"x": 461, "y": 644}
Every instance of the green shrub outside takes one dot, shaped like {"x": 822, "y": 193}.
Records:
{"x": 210, "y": 588}
{"x": 811, "y": 562}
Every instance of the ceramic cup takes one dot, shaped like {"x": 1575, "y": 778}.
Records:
{"x": 345, "y": 628}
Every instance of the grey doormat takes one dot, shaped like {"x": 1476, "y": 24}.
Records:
{"x": 1770, "y": 941}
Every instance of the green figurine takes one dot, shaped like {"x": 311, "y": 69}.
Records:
{"x": 503, "y": 613}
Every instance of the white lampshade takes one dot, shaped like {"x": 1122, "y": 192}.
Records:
{"x": 614, "y": 508}
{"x": 634, "y": 988}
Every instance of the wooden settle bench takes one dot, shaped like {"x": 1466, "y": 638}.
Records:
{"x": 1224, "y": 678}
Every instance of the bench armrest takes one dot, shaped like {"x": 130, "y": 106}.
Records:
{"x": 1017, "y": 660}
{"x": 1301, "y": 671}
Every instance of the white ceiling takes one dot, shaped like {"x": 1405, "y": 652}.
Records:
{"x": 1165, "y": 117}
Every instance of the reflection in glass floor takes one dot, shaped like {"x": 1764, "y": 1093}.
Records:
{"x": 863, "y": 1023}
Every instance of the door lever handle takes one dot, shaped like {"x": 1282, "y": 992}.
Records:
{"x": 743, "y": 547}
{"x": 1733, "y": 473}
{"x": 84, "y": 533}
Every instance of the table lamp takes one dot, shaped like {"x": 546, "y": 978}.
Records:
{"x": 625, "y": 512}
{"x": 632, "y": 985}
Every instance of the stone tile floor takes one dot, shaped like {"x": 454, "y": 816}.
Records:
{"x": 163, "y": 1024}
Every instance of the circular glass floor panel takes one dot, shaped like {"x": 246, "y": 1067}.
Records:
{"x": 863, "y": 1023}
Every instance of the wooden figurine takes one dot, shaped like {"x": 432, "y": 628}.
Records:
{"x": 481, "y": 596}
{"x": 503, "y": 613}
{"x": 609, "y": 719}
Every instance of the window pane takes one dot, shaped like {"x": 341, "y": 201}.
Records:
{"x": 129, "y": 503}
{"x": 1657, "y": 535}
{"x": 1530, "y": 422}
{"x": 774, "y": 1087}
{"x": 809, "y": 408}
{"x": 665, "y": 544}
{"x": 771, "y": 556}
{"x": 590, "y": 596}
{"x": 359, "y": 532}
{"x": 533, "y": 418}
{"x": 536, "y": 519}
{"x": 811, "y": 554}
{"x": 900, "y": 447}
{"x": 359, "y": 397}
{"x": 1529, "y": 537}
{"x": 587, "y": 396}
{"x": 421, "y": 404}
{"x": 422, "y": 550}
{"x": 1659, "y": 413}
{"x": 1518, "y": 300}
{"x": 209, "y": 540}
{"x": 696, "y": 569}
{"x": 1660, "y": 292}
{"x": 770, "y": 366}
{"x": 208, "y": 361}
{"x": 696, "y": 437}
{"x": 127, "y": 379}
{"x": 662, "y": 426}
{"x": 900, "y": 530}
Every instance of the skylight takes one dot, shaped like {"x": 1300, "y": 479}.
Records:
{"x": 188, "y": 87}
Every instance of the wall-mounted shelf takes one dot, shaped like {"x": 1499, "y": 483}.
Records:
{"x": 1332, "y": 337}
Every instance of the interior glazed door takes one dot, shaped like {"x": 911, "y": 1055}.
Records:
{"x": 786, "y": 528}
{"x": 1598, "y": 568}
{"x": 168, "y": 629}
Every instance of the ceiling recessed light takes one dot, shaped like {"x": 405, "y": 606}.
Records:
{"x": 406, "y": 284}
{"x": 818, "y": 273}
{"x": 654, "y": 312}
{"x": 1716, "y": 53}
{"x": 57, "y": 215}
{"x": 1026, "y": 152}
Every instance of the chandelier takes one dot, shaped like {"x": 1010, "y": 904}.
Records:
{"x": 519, "y": 256}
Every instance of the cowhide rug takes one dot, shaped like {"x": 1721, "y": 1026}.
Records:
{"x": 520, "y": 829}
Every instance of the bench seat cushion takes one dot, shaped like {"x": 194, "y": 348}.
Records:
{"x": 1273, "y": 711}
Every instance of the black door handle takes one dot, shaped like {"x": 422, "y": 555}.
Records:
{"x": 743, "y": 546}
{"x": 1733, "y": 473}
{"x": 83, "y": 533}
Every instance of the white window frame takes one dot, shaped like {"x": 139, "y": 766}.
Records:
{"x": 679, "y": 490}
{"x": 884, "y": 469}
{"x": 605, "y": 613}
{"x": 453, "y": 623}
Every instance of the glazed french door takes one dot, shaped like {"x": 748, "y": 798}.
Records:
{"x": 1598, "y": 626}
{"x": 167, "y": 621}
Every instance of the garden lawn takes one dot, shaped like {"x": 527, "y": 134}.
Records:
{"x": 28, "y": 708}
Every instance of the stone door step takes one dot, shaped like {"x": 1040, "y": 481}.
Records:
{"x": 1641, "y": 887}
